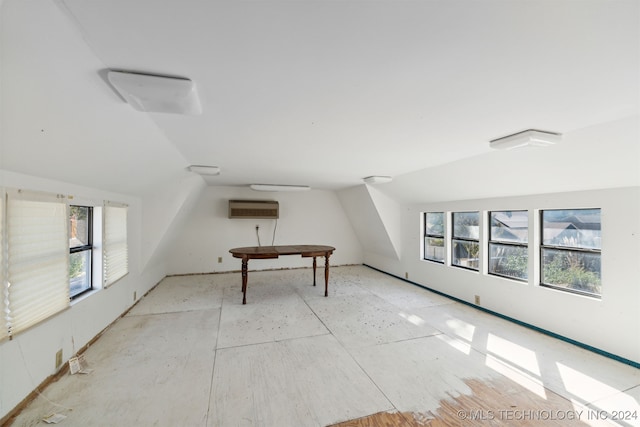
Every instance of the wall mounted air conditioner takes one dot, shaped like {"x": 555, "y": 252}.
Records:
{"x": 263, "y": 209}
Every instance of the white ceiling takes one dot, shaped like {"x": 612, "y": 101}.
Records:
{"x": 324, "y": 93}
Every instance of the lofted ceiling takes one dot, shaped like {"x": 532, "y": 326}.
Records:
{"x": 324, "y": 93}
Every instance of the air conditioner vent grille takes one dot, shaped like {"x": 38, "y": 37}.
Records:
{"x": 260, "y": 209}
{"x": 253, "y": 213}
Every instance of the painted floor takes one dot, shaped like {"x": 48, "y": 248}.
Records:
{"x": 190, "y": 354}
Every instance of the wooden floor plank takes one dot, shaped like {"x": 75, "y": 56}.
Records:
{"x": 499, "y": 402}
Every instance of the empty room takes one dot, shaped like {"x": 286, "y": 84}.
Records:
{"x": 320, "y": 213}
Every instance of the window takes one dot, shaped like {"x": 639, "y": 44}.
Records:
{"x": 570, "y": 250}
{"x": 434, "y": 236}
{"x": 508, "y": 250}
{"x": 465, "y": 240}
{"x": 115, "y": 249}
{"x": 80, "y": 249}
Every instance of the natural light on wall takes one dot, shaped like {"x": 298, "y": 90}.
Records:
{"x": 513, "y": 354}
{"x": 527, "y": 381}
{"x": 584, "y": 386}
{"x": 412, "y": 318}
{"x": 455, "y": 343}
{"x": 461, "y": 328}
{"x": 517, "y": 363}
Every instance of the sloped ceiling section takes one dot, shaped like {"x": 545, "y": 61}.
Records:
{"x": 164, "y": 211}
{"x": 403, "y": 86}
{"x": 375, "y": 219}
{"x": 60, "y": 120}
{"x": 389, "y": 211}
{"x": 606, "y": 155}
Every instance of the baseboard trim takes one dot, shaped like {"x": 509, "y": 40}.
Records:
{"x": 519, "y": 322}
{"x": 10, "y": 417}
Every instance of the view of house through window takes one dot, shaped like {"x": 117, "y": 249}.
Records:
{"x": 570, "y": 245}
{"x": 466, "y": 240}
{"x": 508, "y": 237}
{"x": 80, "y": 249}
{"x": 434, "y": 236}
{"x": 570, "y": 250}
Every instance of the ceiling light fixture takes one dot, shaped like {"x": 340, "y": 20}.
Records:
{"x": 375, "y": 179}
{"x": 527, "y": 138}
{"x": 205, "y": 170}
{"x": 156, "y": 94}
{"x": 279, "y": 187}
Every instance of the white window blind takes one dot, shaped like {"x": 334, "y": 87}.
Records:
{"x": 38, "y": 261}
{"x": 115, "y": 250}
{"x": 4, "y": 300}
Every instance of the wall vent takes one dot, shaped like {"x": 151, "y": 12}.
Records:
{"x": 263, "y": 209}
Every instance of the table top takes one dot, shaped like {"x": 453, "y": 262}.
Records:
{"x": 275, "y": 251}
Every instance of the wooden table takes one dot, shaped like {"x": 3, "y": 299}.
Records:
{"x": 267, "y": 252}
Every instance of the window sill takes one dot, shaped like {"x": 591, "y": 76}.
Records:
{"x": 84, "y": 296}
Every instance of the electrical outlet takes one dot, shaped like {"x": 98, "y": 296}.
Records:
{"x": 406, "y": 274}
{"x": 59, "y": 358}
{"x": 135, "y": 296}
{"x": 476, "y": 299}
{"x": 219, "y": 259}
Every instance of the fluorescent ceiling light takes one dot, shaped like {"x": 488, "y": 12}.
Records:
{"x": 205, "y": 170}
{"x": 527, "y": 138}
{"x": 278, "y": 187}
{"x": 377, "y": 179}
{"x": 156, "y": 94}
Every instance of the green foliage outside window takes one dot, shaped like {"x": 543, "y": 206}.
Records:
{"x": 572, "y": 272}
{"x": 76, "y": 265}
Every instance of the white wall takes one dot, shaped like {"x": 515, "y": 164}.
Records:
{"x": 166, "y": 209}
{"x": 311, "y": 217}
{"x": 611, "y": 324}
{"x": 189, "y": 239}
{"x": 60, "y": 119}
{"x": 29, "y": 358}
{"x": 367, "y": 221}
{"x": 391, "y": 216}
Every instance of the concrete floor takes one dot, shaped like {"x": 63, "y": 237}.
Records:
{"x": 190, "y": 354}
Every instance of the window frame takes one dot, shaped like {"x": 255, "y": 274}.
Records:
{"x": 428, "y": 235}
{"x": 567, "y": 249}
{"x": 84, "y": 248}
{"x": 505, "y": 243}
{"x": 455, "y": 239}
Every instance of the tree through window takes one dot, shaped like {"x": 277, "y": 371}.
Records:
{"x": 80, "y": 249}
{"x": 571, "y": 244}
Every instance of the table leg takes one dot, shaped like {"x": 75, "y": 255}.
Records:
{"x": 326, "y": 275}
{"x": 314, "y": 271}
{"x": 244, "y": 280}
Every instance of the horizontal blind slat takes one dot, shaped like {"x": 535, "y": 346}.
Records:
{"x": 4, "y": 301}
{"x": 38, "y": 273}
{"x": 115, "y": 247}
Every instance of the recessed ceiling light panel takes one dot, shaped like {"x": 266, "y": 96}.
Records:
{"x": 156, "y": 94}
{"x": 376, "y": 179}
{"x": 279, "y": 187}
{"x": 205, "y": 170}
{"x": 527, "y": 138}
